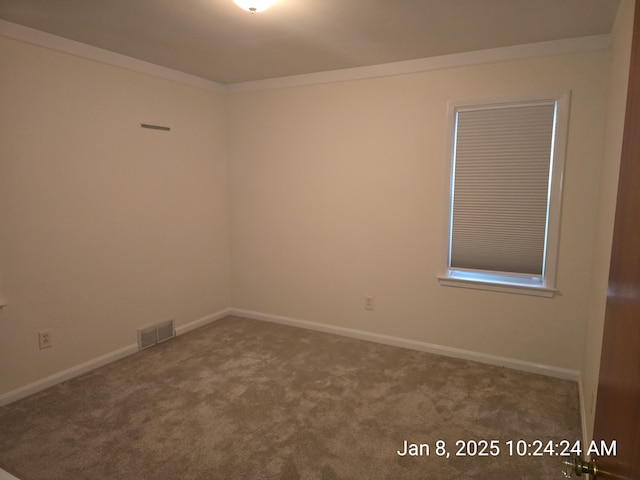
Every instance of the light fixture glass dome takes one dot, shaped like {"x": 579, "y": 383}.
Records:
{"x": 254, "y": 6}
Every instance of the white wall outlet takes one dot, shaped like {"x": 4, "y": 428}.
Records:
{"x": 45, "y": 339}
{"x": 368, "y": 302}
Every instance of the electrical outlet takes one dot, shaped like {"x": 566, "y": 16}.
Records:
{"x": 368, "y": 302}
{"x": 45, "y": 339}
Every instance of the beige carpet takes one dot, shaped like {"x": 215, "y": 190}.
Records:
{"x": 242, "y": 399}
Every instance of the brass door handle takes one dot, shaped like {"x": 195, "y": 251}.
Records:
{"x": 576, "y": 466}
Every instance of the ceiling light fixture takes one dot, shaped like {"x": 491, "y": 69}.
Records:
{"x": 254, "y": 6}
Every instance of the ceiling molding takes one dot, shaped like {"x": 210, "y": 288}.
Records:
{"x": 556, "y": 47}
{"x": 78, "y": 49}
{"x": 494, "y": 55}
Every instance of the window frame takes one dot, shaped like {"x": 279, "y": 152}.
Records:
{"x": 545, "y": 285}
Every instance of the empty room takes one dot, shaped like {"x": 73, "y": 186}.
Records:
{"x": 319, "y": 239}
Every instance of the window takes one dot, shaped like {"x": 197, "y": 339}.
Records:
{"x": 506, "y": 175}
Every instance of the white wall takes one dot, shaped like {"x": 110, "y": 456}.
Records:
{"x": 620, "y": 53}
{"x": 339, "y": 190}
{"x": 104, "y": 226}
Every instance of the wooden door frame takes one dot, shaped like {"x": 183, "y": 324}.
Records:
{"x": 618, "y": 406}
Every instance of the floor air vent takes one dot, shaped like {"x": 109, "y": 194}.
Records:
{"x": 150, "y": 336}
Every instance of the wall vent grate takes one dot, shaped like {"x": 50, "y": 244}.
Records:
{"x": 165, "y": 331}
{"x": 154, "y": 334}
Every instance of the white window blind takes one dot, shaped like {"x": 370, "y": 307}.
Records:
{"x": 501, "y": 188}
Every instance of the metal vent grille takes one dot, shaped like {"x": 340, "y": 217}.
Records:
{"x": 147, "y": 338}
{"x": 165, "y": 331}
{"x": 154, "y": 334}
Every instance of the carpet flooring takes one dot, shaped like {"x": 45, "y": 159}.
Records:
{"x": 244, "y": 399}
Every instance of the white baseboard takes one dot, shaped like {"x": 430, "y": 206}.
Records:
{"x": 583, "y": 411}
{"x": 60, "y": 377}
{"x": 6, "y": 476}
{"x": 94, "y": 363}
{"x": 201, "y": 322}
{"x": 515, "y": 364}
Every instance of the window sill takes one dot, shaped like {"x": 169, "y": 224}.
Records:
{"x": 534, "y": 290}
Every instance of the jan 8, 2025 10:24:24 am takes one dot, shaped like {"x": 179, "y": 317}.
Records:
{"x": 513, "y": 448}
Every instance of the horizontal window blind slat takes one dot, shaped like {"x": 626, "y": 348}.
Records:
{"x": 500, "y": 188}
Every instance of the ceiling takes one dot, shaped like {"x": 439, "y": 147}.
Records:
{"x": 216, "y": 40}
